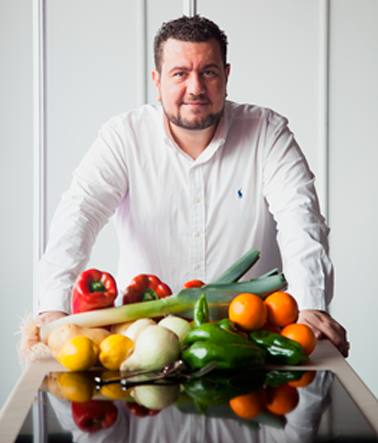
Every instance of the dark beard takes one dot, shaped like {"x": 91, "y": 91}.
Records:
{"x": 210, "y": 120}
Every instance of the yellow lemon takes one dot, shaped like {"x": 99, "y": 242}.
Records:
{"x": 114, "y": 349}
{"x": 75, "y": 386}
{"x": 78, "y": 353}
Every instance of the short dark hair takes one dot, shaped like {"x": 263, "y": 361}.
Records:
{"x": 189, "y": 29}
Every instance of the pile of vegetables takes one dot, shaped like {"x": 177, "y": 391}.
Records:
{"x": 219, "y": 293}
{"x": 151, "y": 330}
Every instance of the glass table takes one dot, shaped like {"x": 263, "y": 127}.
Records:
{"x": 323, "y": 401}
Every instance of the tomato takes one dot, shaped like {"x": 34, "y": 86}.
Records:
{"x": 194, "y": 284}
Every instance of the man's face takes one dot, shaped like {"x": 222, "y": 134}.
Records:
{"x": 192, "y": 83}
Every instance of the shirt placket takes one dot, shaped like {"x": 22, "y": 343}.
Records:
{"x": 197, "y": 234}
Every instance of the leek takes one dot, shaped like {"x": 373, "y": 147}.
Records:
{"x": 239, "y": 268}
{"x": 218, "y": 297}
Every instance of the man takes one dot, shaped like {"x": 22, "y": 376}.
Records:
{"x": 193, "y": 184}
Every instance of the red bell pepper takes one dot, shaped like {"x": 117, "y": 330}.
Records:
{"x": 145, "y": 287}
{"x": 93, "y": 289}
{"x": 94, "y": 415}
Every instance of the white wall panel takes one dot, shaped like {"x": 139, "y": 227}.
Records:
{"x": 353, "y": 177}
{"x": 273, "y": 51}
{"x": 16, "y": 179}
{"x": 91, "y": 76}
{"x": 157, "y": 13}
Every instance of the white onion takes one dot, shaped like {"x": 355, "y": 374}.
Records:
{"x": 137, "y": 327}
{"x": 156, "y": 397}
{"x": 177, "y": 325}
{"x": 154, "y": 348}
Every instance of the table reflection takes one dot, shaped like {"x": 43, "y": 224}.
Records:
{"x": 274, "y": 406}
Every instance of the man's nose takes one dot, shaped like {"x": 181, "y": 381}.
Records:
{"x": 196, "y": 85}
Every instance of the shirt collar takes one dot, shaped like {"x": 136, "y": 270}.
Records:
{"x": 216, "y": 143}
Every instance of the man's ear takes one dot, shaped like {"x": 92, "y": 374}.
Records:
{"x": 156, "y": 79}
{"x": 227, "y": 70}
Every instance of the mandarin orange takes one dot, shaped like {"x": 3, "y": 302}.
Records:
{"x": 282, "y": 308}
{"x": 302, "y": 334}
{"x": 248, "y": 311}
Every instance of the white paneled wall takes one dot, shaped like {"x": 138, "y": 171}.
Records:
{"x": 94, "y": 56}
{"x": 353, "y": 177}
{"x": 16, "y": 179}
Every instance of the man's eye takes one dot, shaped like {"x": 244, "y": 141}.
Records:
{"x": 179, "y": 74}
{"x": 209, "y": 74}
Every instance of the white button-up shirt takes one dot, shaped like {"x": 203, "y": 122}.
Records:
{"x": 181, "y": 218}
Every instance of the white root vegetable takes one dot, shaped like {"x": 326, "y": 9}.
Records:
{"x": 59, "y": 336}
{"x": 137, "y": 327}
{"x": 120, "y": 328}
{"x": 156, "y": 397}
{"x": 155, "y": 348}
{"x": 177, "y": 325}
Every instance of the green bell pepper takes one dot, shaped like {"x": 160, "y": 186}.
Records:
{"x": 201, "y": 311}
{"x": 280, "y": 349}
{"x": 215, "y": 333}
{"x": 233, "y": 355}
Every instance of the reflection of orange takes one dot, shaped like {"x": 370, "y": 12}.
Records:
{"x": 247, "y": 406}
{"x": 282, "y": 399}
{"x": 248, "y": 311}
{"x": 305, "y": 379}
{"x": 302, "y": 334}
{"x": 282, "y": 308}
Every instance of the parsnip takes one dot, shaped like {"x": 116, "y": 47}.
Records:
{"x": 59, "y": 336}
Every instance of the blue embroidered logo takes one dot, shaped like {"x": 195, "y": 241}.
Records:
{"x": 240, "y": 194}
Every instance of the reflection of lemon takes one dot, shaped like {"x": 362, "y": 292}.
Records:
{"x": 75, "y": 386}
{"x": 114, "y": 350}
{"x": 114, "y": 391}
{"x": 78, "y": 353}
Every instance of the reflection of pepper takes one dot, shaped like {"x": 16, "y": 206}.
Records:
{"x": 93, "y": 289}
{"x": 226, "y": 355}
{"x": 141, "y": 411}
{"x": 217, "y": 388}
{"x": 277, "y": 377}
{"x": 145, "y": 287}
{"x": 280, "y": 349}
{"x": 94, "y": 415}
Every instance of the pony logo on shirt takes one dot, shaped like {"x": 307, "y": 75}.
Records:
{"x": 239, "y": 193}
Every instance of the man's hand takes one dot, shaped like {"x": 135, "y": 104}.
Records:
{"x": 30, "y": 332}
{"x": 324, "y": 326}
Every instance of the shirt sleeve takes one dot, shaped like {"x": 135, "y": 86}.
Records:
{"x": 98, "y": 185}
{"x": 302, "y": 233}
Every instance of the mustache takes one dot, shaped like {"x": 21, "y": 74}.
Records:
{"x": 201, "y": 98}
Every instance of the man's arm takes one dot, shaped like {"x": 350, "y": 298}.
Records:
{"x": 99, "y": 184}
{"x": 302, "y": 233}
